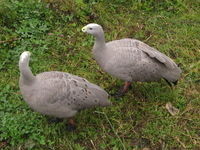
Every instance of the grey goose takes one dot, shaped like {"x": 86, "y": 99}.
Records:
{"x": 58, "y": 94}
{"x": 131, "y": 60}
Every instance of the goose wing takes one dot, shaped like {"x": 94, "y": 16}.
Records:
{"x": 130, "y": 46}
{"x": 133, "y": 60}
{"x": 71, "y": 91}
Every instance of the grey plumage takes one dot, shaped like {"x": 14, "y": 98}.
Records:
{"x": 56, "y": 93}
{"x": 130, "y": 59}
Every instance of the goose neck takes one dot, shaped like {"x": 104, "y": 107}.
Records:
{"x": 25, "y": 72}
{"x": 99, "y": 41}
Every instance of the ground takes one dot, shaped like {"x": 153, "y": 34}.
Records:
{"x": 51, "y": 30}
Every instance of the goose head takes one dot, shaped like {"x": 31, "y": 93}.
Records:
{"x": 93, "y": 29}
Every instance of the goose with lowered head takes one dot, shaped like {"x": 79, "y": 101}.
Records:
{"x": 58, "y": 94}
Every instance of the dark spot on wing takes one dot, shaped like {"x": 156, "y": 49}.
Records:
{"x": 66, "y": 75}
{"x": 75, "y": 82}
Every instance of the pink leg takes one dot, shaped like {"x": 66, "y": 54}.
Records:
{"x": 71, "y": 121}
{"x": 71, "y": 125}
{"x": 125, "y": 89}
{"x": 127, "y": 84}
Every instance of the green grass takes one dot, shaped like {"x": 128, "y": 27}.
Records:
{"x": 136, "y": 121}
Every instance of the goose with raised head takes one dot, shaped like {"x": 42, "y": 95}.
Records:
{"x": 58, "y": 94}
{"x": 131, "y": 60}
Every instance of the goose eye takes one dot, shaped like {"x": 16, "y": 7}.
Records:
{"x": 90, "y": 28}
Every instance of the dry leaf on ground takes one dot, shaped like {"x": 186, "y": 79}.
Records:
{"x": 171, "y": 109}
